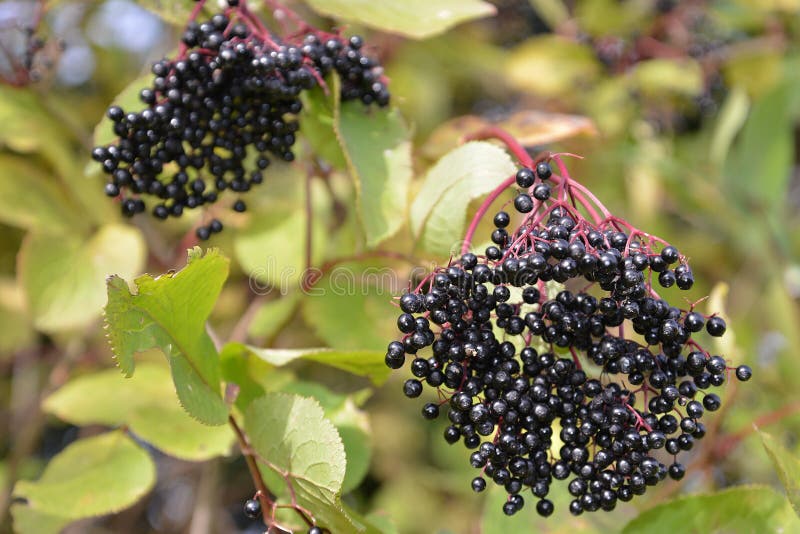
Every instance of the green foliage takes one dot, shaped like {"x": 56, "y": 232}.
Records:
{"x": 788, "y": 467}
{"x": 29, "y": 199}
{"x": 439, "y": 210}
{"x": 169, "y": 312}
{"x": 739, "y": 509}
{"x": 174, "y": 11}
{"x": 414, "y": 18}
{"x": 381, "y": 174}
{"x": 354, "y": 293}
{"x": 63, "y": 275}
{"x": 358, "y": 362}
{"x": 566, "y": 63}
{"x": 93, "y": 476}
{"x": 293, "y": 436}
{"x": 145, "y": 403}
{"x": 273, "y": 315}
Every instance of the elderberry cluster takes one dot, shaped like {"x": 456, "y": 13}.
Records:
{"x": 217, "y": 115}
{"x": 510, "y": 339}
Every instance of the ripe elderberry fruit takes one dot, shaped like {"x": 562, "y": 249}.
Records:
{"x": 252, "y": 508}
{"x": 504, "y": 337}
{"x": 218, "y": 114}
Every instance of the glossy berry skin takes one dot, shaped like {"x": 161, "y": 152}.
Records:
{"x": 252, "y": 508}
{"x": 716, "y": 326}
{"x": 541, "y": 192}
{"x": 543, "y": 170}
{"x": 315, "y": 530}
{"x": 430, "y": 411}
{"x": 501, "y": 219}
{"x": 545, "y": 508}
{"x": 525, "y": 178}
{"x": 523, "y": 203}
{"x": 744, "y": 373}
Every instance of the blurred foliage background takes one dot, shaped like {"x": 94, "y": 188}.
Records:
{"x": 687, "y": 115}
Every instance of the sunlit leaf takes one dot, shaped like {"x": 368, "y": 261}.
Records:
{"x": 30, "y": 521}
{"x": 413, "y": 18}
{"x": 146, "y": 402}
{"x": 663, "y": 77}
{"x": 759, "y": 167}
{"x": 788, "y": 467}
{"x": 16, "y": 330}
{"x": 438, "y": 213}
{"x": 529, "y": 127}
{"x": 358, "y": 362}
{"x": 169, "y": 313}
{"x": 351, "y": 422}
{"x": 63, "y": 275}
{"x": 31, "y": 199}
{"x": 741, "y": 509}
{"x": 93, "y": 476}
{"x": 354, "y": 298}
{"x": 173, "y": 11}
{"x": 377, "y": 148}
{"x": 292, "y": 434}
{"x": 731, "y": 119}
{"x": 551, "y": 66}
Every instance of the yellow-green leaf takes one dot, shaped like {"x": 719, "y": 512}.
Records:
{"x": 93, "y": 476}
{"x": 63, "y": 276}
{"x": 413, "y": 18}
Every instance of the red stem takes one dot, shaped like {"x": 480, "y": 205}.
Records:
{"x": 493, "y": 132}
{"x": 484, "y": 207}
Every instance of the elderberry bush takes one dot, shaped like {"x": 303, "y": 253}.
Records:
{"x": 557, "y": 329}
{"x": 216, "y": 115}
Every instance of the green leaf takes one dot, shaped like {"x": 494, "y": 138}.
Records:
{"x": 660, "y": 78}
{"x": 93, "y": 476}
{"x": 147, "y": 404}
{"x": 30, "y": 521}
{"x": 31, "y": 199}
{"x": 273, "y": 315}
{"x": 570, "y": 66}
{"x": 354, "y": 293}
{"x": 609, "y": 17}
{"x": 351, "y": 423}
{"x": 243, "y": 369}
{"x": 377, "y": 148}
{"x": 169, "y": 312}
{"x": 732, "y": 117}
{"x": 760, "y": 164}
{"x": 787, "y": 466}
{"x": 742, "y": 509}
{"x": 418, "y": 19}
{"x": 62, "y": 275}
{"x": 173, "y": 11}
{"x": 27, "y": 126}
{"x": 358, "y": 362}
{"x": 292, "y": 434}
{"x": 272, "y": 260}
{"x": 438, "y": 213}
{"x": 318, "y": 120}
{"x": 16, "y": 331}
